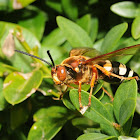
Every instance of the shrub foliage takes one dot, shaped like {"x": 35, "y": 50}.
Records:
{"x": 27, "y": 92}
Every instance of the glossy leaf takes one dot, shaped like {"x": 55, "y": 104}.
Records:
{"x": 112, "y": 37}
{"x": 126, "y": 9}
{"x": 51, "y": 112}
{"x": 94, "y": 136}
{"x": 127, "y": 126}
{"x": 84, "y": 123}
{"x": 5, "y": 5}
{"x": 94, "y": 29}
{"x": 18, "y": 115}
{"x": 134, "y": 63}
{"x": 49, "y": 123}
{"x": 108, "y": 129}
{"x": 85, "y": 22}
{"x": 129, "y": 42}
{"x": 23, "y": 3}
{"x": 127, "y": 110}
{"x": 21, "y": 62}
{"x": 6, "y": 69}
{"x": 60, "y": 51}
{"x": 36, "y": 24}
{"x": 56, "y": 5}
{"x": 92, "y": 1}
{"x": 19, "y": 86}
{"x": 138, "y": 104}
{"x": 74, "y": 33}
{"x": 46, "y": 129}
{"x": 135, "y": 30}
{"x": 55, "y": 38}
{"x": 126, "y": 138}
{"x": 137, "y": 133}
{"x": 97, "y": 87}
{"x": 100, "y": 116}
{"x": 109, "y": 107}
{"x": 3, "y": 102}
{"x": 126, "y": 91}
{"x": 70, "y": 8}
{"x": 68, "y": 103}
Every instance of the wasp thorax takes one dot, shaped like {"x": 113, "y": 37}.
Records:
{"x": 59, "y": 74}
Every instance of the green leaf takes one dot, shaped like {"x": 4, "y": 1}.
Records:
{"x": 137, "y": 133}
{"x": 97, "y": 112}
{"x": 3, "y": 102}
{"x": 129, "y": 42}
{"x": 135, "y": 30}
{"x": 18, "y": 115}
{"x": 126, "y": 138}
{"x": 6, "y": 69}
{"x": 94, "y": 136}
{"x": 74, "y": 33}
{"x": 109, "y": 107}
{"x": 98, "y": 44}
{"x": 127, "y": 126}
{"x": 127, "y": 110}
{"x": 55, "y": 5}
{"x": 46, "y": 129}
{"x": 24, "y": 3}
{"x": 127, "y": 9}
{"x": 60, "y": 51}
{"x": 85, "y": 22}
{"x": 19, "y": 86}
{"x": 138, "y": 104}
{"x": 55, "y": 38}
{"x": 68, "y": 103}
{"x": 49, "y": 123}
{"x": 112, "y": 37}
{"x": 36, "y": 24}
{"x": 127, "y": 90}
{"x": 51, "y": 112}
{"x": 97, "y": 87}
{"x": 92, "y": 1}
{"x": 108, "y": 129}
{"x": 19, "y": 61}
{"x": 94, "y": 29}
{"x": 134, "y": 63}
{"x": 5, "y": 5}
{"x": 84, "y": 123}
{"x": 70, "y": 8}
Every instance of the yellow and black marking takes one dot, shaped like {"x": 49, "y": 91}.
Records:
{"x": 118, "y": 69}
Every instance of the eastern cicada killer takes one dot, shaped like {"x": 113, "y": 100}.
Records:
{"x": 87, "y": 66}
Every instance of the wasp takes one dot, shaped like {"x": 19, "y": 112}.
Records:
{"x": 87, "y": 66}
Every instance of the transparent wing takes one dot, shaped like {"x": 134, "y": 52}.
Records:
{"x": 115, "y": 55}
{"x": 90, "y": 52}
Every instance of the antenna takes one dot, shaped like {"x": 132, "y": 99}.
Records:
{"x": 35, "y": 57}
{"x": 48, "y": 52}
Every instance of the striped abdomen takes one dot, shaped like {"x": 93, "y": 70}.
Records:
{"x": 119, "y": 69}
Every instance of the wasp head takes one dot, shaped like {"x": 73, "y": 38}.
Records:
{"x": 59, "y": 74}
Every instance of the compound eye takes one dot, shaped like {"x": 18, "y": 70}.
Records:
{"x": 61, "y": 73}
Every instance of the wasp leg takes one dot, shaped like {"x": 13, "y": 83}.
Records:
{"x": 108, "y": 73}
{"x": 62, "y": 93}
{"x": 79, "y": 91}
{"x": 91, "y": 89}
{"x": 110, "y": 96}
